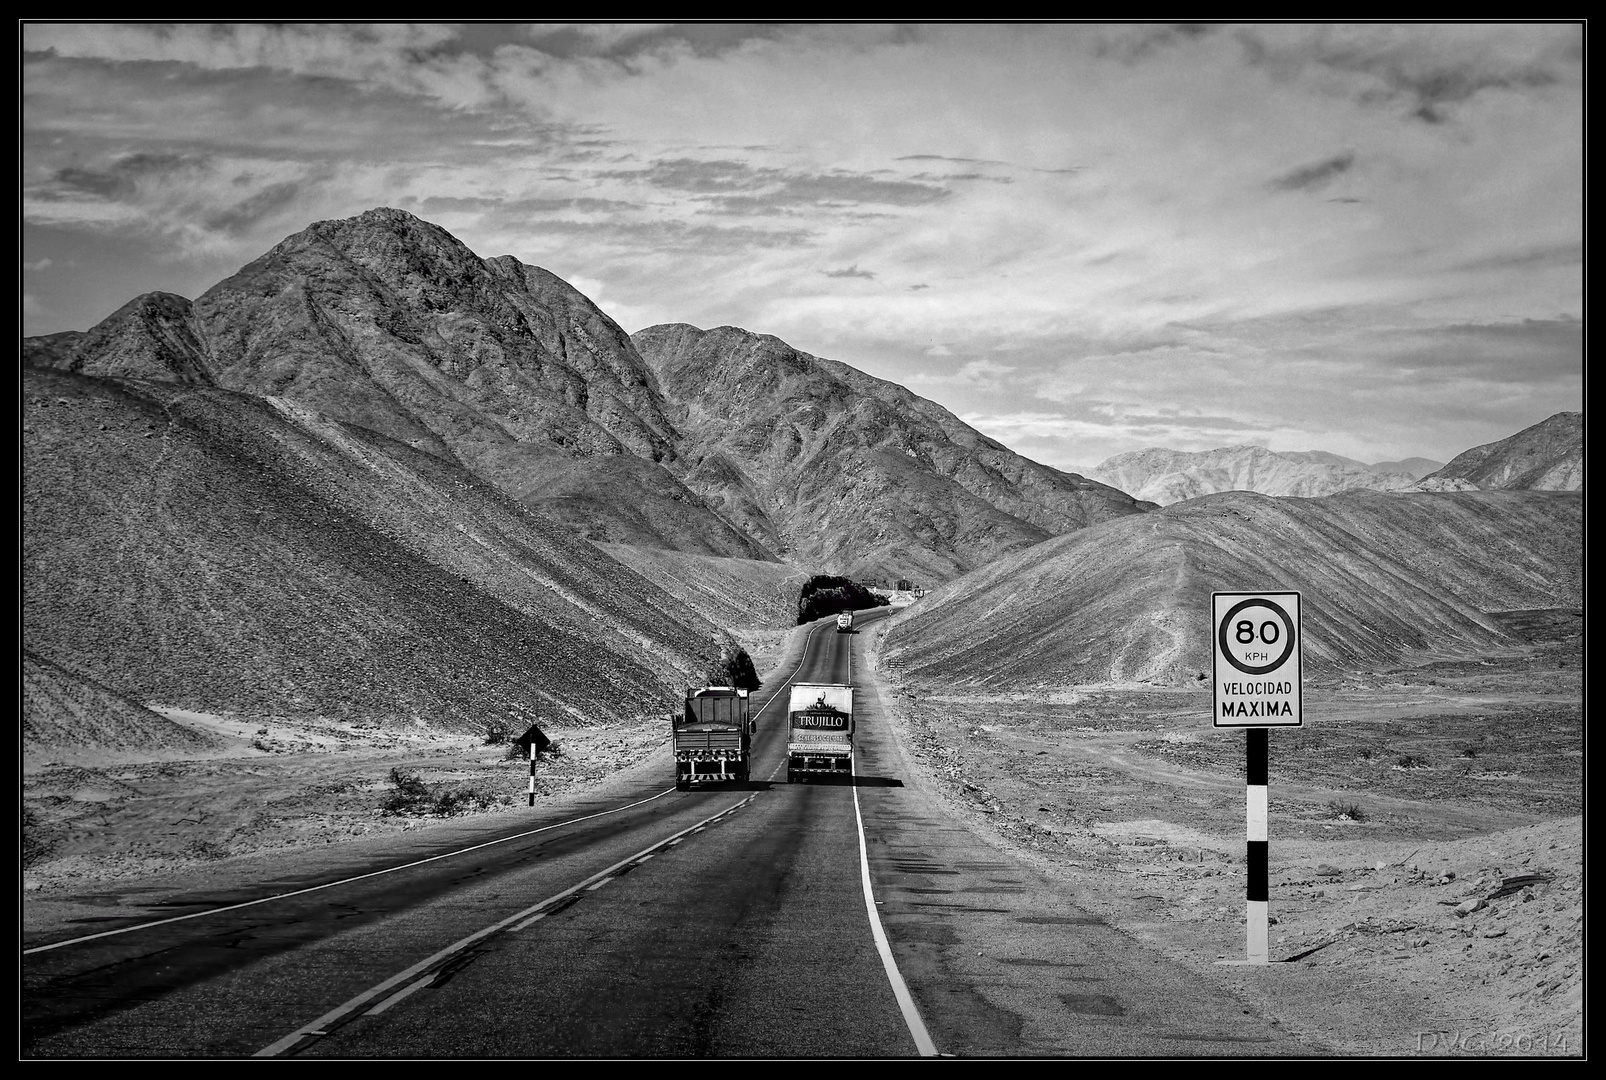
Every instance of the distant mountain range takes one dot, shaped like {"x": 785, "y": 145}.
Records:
{"x": 1549, "y": 456}
{"x": 1171, "y": 476}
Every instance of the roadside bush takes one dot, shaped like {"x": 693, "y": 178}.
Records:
{"x": 515, "y": 752}
{"x": 410, "y": 795}
{"x": 824, "y": 595}
{"x": 208, "y": 849}
{"x": 496, "y": 733}
{"x": 1411, "y": 761}
{"x": 461, "y": 800}
{"x": 1351, "y": 811}
{"x": 733, "y": 667}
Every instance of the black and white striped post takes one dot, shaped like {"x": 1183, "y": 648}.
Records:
{"x": 533, "y": 752}
{"x": 1258, "y": 685}
{"x": 534, "y": 741}
{"x": 1259, "y": 884}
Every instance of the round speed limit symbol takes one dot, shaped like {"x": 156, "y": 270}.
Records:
{"x": 1257, "y": 636}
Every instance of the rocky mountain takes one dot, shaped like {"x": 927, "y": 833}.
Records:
{"x": 1546, "y": 457}
{"x": 200, "y": 548}
{"x": 1384, "y": 577}
{"x": 849, "y": 474}
{"x": 1171, "y": 476}
{"x": 390, "y": 323}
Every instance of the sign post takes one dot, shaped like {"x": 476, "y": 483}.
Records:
{"x": 534, "y": 741}
{"x": 1256, "y": 673}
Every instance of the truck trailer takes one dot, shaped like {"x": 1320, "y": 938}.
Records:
{"x": 821, "y": 742}
{"x": 713, "y": 737}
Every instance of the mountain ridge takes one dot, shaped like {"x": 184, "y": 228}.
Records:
{"x": 1171, "y": 476}
{"x": 1384, "y": 576}
{"x": 1547, "y": 456}
{"x": 389, "y": 322}
{"x": 763, "y": 415}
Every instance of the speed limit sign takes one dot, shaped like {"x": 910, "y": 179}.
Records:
{"x": 1256, "y": 669}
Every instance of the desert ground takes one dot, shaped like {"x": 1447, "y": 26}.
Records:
{"x": 1410, "y": 798}
{"x": 1426, "y": 828}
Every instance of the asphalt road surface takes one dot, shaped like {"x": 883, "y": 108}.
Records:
{"x": 718, "y": 922}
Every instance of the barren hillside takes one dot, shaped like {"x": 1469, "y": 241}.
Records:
{"x": 742, "y": 595}
{"x": 1383, "y": 576}
{"x": 851, "y": 474}
{"x": 194, "y": 547}
{"x": 1546, "y": 457}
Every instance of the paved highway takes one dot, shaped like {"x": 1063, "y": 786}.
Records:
{"x": 708, "y": 923}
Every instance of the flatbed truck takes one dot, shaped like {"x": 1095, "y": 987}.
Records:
{"x": 713, "y": 737}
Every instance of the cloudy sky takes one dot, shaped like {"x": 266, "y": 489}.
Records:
{"x": 1082, "y": 239}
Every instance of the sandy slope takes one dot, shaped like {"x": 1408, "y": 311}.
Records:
{"x": 1383, "y": 576}
{"x": 203, "y": 548}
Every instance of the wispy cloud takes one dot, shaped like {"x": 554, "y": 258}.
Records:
{"x": 1424, "y": 76}
{"x": 1315, "y": 175}
{"x": 1376, "y": 226}
{"x": 735, "y": 187}
{"x": 247, "y": 212}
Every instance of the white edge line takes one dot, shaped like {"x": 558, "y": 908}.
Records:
{"x": 363, "y": 998}
{"x": 403, "y": 995}
{"x": 368, "y": 995}
{"x": 900, "y": 990}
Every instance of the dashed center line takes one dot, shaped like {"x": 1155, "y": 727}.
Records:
{"x": 323, "y": 1024}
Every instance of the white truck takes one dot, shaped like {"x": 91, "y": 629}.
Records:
{"x": 844, "y": 622}
{"x": 821, "y": 741}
